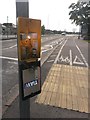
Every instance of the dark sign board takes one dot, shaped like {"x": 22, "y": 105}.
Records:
{"x": 30, "y": 77}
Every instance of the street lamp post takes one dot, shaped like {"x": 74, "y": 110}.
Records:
{"x": 7, "y": 27}
{"x": 79, "y": 31}
{"x": 22, "y": 10}
{"x": 89, "y": 21}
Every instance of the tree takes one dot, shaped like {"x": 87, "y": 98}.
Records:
{"x": 79, "y": 15}
{"x": 43, "y": 29}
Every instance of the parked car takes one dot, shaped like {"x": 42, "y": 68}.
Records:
{"x": 63, "y": 33}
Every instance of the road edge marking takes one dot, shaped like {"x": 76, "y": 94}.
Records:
{"x": 71, "y": 58}
{"x": 9, "y": 58}
{"x": 81, "y": 54}
{"x": 10, "y": 47}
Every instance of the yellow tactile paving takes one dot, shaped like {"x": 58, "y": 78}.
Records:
{"x": 66, "y": 87}
{"x": 48, "y": 97}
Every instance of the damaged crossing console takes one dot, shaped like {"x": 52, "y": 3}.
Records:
{"x": 29, "y": 48}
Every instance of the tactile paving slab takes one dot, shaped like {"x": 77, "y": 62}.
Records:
{"x": 66, "y": 87}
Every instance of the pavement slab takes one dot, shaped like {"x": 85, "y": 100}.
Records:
{"x": 66, "y": 87}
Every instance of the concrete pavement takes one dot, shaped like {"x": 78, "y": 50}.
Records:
{"x": 67, "y": 82}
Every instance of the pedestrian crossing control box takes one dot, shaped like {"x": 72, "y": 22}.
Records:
{"x": 29, "y": 50}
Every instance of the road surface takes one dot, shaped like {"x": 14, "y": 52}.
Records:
{"x": 67, "y": 50}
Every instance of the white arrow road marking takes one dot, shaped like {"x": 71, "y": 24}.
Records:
{"x": 50, "y": 60}
{"x": 78, "y": 61}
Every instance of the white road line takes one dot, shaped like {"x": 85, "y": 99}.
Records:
{"x": 59, "y": 52}
{"x": 16, "y": 59}
{"x": 75, "y": 61}
{"x": 50, "y": 61}
{"x": 9, "y": 58}
{"x": 13, "y": 46}
{"x": 8, "y": 40}
{"x": 10, "y": 47}
{"x": 81, "y": 55}
{"x": 43, "y": 61}
{"x": 70, "y": 57}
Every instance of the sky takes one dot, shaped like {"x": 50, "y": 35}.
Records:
{"x": 54, "y": 14}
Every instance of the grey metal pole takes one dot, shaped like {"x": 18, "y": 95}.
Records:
{"x": 7, "y": 27}
{"x": 22, "y": 10}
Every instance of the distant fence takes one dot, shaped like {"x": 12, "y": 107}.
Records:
{"x": 7, "y": 37}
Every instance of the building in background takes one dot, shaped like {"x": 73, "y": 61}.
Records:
{"x": 9, "y": 28}
{"x": 84, "y": 1}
